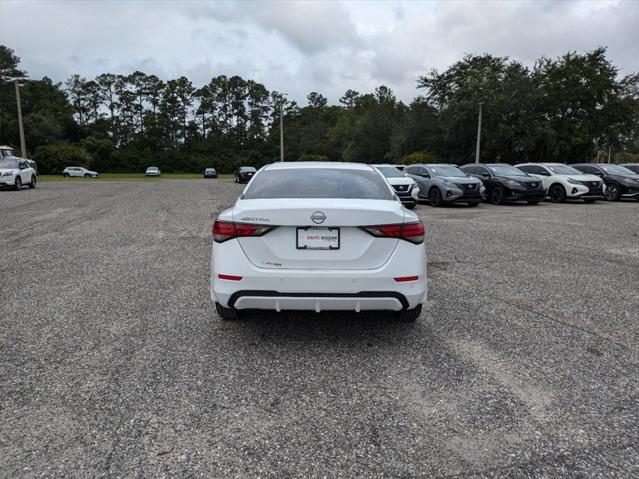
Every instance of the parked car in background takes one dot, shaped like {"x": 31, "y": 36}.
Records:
{"x": 152, "y": 171}
{"x": 210, "y": 173}
{"x": 15, "y": 173}
{"x": 402, "y": 184}
{"x": 505, "y": 183}
{"x": 619, "y": 182}
{"x": 244, "y": 174}
{"x": 634, "y": 167}
{"x": 7, "y": 152}
{"x": 565, "y": 182}
{"x": 444, "y": 183}
{"x": 318, "y": 236}
{"x": 78, "y": 171}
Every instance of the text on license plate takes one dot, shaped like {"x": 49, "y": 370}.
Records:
{"x": 314, "y": 237}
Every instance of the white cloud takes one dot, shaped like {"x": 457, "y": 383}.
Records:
{"x": 298, "y": 47}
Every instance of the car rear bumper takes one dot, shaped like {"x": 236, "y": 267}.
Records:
{"x": 318, "y": 290}
{"x": 278, "y": 301}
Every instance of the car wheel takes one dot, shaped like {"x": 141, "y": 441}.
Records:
{"x": 473, "y": 203}
{"x": 227, "y": 314}
{"x": 435, "y": 197}
{"x": 590, "y": 200}
{"x": 497, "y": 195}
{"x": 533, "y": 202}
{"x": 557, "y": 194}
{"x": 409, "y": 315}
{"x": 33, "y": 182}
{"x": 87, "y": 175}
{"x": 410, "y": 206}
{"x": 66, "y": 175}
{"x": 612, "y": 193}
{"x": 18, "y": 184}
{"x": 237, "y": 179}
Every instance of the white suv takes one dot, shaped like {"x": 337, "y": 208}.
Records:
{"x": 564, "y": 182}
{"x": 78, "y": 171}
{"x": 16, "y": 172}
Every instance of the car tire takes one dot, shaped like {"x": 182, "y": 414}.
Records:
{"x": 410, "y": 206}
{"x": 33, "y": 182}
{"x": 227, "y": 314}
{"x": 87, "y": 175}
{"x": 473, "y": 203}
{"x": 497, "y": 195}
{"x": 237, "y": 179}
{"x": 66, "y": 175}
{"x": 18, "y": 184}
{"x": 590, "y": 200}
{"x": 557, "y": 194}
{"x": 435, "y": 197}
{"x": 533, "y": 202}
{"x": 613, "y": 192}
{"x": 409, "y": 315}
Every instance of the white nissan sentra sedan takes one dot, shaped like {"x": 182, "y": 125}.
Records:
{"x": 318, "y": 236}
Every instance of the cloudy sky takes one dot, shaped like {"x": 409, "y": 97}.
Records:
{"x": 298, "y": 47}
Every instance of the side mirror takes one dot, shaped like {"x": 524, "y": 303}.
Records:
{"x": 485, "y": 175}
{"x": 22, "y": 166}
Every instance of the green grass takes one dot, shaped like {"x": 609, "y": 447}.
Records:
{"x": 134, "y": 177}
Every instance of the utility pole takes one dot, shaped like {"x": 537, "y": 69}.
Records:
{"x": 478, "y": 134}
{"x": 281, "y": 131}
{"x": 608, "y": 155}
{"x": 282, "y": 127}
{"x": 23, "y": 148}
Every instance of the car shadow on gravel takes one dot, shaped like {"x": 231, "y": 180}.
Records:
{"x": 330, "y": 325}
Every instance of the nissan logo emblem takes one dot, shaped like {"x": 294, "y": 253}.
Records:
{"x": 318, "y": 217}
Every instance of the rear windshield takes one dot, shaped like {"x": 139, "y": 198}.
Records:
{"x": 247, "y": 169}
{"x": 319, "y": 183}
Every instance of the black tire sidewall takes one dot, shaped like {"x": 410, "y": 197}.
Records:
{"x": 435, "y": 196}
{"x": 497, "y": 195}
{"x": 561, "y": 197}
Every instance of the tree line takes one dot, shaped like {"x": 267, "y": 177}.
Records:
{"x": 573, "y": 108}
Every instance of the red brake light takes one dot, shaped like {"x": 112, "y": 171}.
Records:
{"x": 225, "y": 230}
{"x": 405, "y": 279}
{"x": 229, "y": 277}
{"x": 413, "y": 232}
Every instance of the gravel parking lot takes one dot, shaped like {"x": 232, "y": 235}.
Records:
{"x": 113, "y": 362}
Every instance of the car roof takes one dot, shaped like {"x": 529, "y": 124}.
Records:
{"x": 286, "y": 165}
{"x": 542, "y": 163}
{"x": 486, "y": 164}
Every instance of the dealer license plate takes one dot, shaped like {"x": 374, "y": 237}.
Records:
{"x": 314, "y": 237}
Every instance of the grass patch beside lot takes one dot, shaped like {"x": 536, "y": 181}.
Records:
{"x": 134, "y": 177}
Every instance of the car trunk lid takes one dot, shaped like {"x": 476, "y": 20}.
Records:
{"x": 279, "y": 248}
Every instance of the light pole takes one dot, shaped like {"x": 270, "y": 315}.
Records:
{"x": 23, "y": 147}
{"x": 16, "y": 81}
{"x": 478, "y": 134}
{"x": 282, "y": 127}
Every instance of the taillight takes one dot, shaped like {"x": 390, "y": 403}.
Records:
{"x": 413, "y": 232}
{"x": 225, "y": 230}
